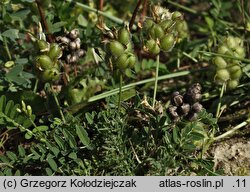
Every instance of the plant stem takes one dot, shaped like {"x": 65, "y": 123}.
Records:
{"x": 7, "y": 48}
{"x": 156, "y": 77}
{"x": 219, "y": 104}
{"x": 182, "y": 7}
{"x": 120, "y": 92}
{"x": 243, "y": 124}
{"x": 90, "y": 9}
{"x": 43, "y": 21}
{"x": 131, "y": 23}
{"x": 35, "y": 87}
{"x": 57, "y": 104}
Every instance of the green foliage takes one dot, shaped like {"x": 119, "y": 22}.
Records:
{"x": 59, "y": 86}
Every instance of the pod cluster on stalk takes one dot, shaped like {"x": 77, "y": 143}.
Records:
{"x": 186, "y": 106}
{"x": 164, "y": 30}
{"x": 120, "y": 50}
{"x": 71, "y": 46}
{"x": 228, "y": 70}
{"x": 47, "y": 62}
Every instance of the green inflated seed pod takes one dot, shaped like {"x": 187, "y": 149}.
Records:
{"x": 43, "y": 62}
{"x": 152, "y": 47}
{"x": 43, "y": 46}
{"x": 220, "y": 62}
{"x": 55, "y": 52}
{"x": 177, "y": 15}
{"x": 124, "y": 36}
{"x": 167, "y": 42}
{"x": 240, "y": 51}
{"x": 232, "y": 84}
{"x": 223, "y": 74}
{"x": 231, "y": 43}
{"x": 131, "y": 61}
{"x": 116, "y": 48}
{"x": 236, "y": 74}
{"x": 223, "y": 49}
{"x": 156, "y": 32}
{"x": 148, "y": 23}
{"x": 166, "y": 24}
{"x": 50, "y": 75}
{"x": 232, "y": 68}
{"x": 122, "y": 61}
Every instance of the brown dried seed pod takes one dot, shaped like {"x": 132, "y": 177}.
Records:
{"x": 177, "y": 100}
{"x": 65, "y": 40}
{"x": 173, "y": 111}
{"x": 80, "y": 52}
{"x": 192, "y": 97}
{"x": 78, "y": 43}
{"x": 192, "y": 116}
{"x": 68, "y": 58}
{"x": 73, "y": 34}
{"x": 72, "y": 45}
{"x": 74, "y": 58}
{"x": 184, "y": 109}
{"x": 196, "y": 107}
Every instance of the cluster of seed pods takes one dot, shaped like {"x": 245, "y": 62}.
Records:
{"x": 186, "y": 106}
{"x": 71, "y": 46}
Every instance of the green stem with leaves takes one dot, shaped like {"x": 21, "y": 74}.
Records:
{"x": 156, "y": 78}
{"x": 58, "y": 104}
{"x": 7, "y": 48}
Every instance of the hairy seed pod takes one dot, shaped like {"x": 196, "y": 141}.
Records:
{"x": 192, "y": 116}
{"x": 131, "y": 61}
{"x": 231, "y": 43}
{"x": 148, "y": 24}
{"x": 78, "y": 43}
{"x": 50, "y": 75}
{"x": 166, "y": 24}
{"x": 232, "y": 84}
{"x": 55, "y": 52}
{"x": 43, "y": 62}
{"x": 72, "y": 45}
{"x": 80, "y": 53}
{"x": 220, "y": 62}
{"x": 223, "y": 74}
{"x": 73, "y": 34}
{"x": 156, "y": 32}
{"x": 196, "y": 107}
{"x": 240, "y": 51}
{"x": 177, "y": 100}
{"x": 43, "y": 46}
{"x": 65, "y": 40}
{"x": 116, "y": 48}
{"x": 177, "y": 15}
{"x": 68, "y": 57}
{"x": 167, "y": 42}
{"x": 223, "y": 49}
{"x": 74, "y": 58}
{"x": 122, "y": 61}
{"x": 173, "y": 111}
{"x": 184, "y": 109}
{"x": 124, "y": 36}
{"x": 152, "y": 47}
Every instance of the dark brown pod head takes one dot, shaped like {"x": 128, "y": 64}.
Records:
{"x": 173, "y": 111}
{"x": 184, "y": 109}
{"x": 192, "y": 97}
{"x": 197, "y": 107}
{"x": 177, "y": 100}
{"x": 73, "y": 34}
{"x": 192, "y": 116}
